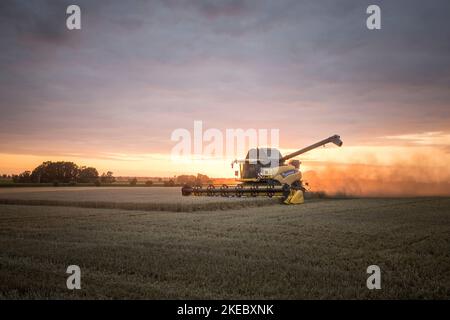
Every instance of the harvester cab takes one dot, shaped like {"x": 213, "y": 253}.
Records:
{"x": 259, "y": 163}
{"x": 264, "y": 171}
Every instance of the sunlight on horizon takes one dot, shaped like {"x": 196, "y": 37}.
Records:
{"x": 161, "y": 165}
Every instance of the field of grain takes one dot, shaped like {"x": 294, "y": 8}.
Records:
{"x": 255, "y": 250}
{"x": 128, "y": 198}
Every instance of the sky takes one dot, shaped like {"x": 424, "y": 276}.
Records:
{"x": 110, "y": 95}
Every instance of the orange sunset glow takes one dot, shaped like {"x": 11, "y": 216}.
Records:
{"x": 110, "y": 95}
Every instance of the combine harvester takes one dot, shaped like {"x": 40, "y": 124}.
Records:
{"x": 264, "y": 172}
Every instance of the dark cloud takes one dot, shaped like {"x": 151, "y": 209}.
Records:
{"x": 213, "y": 9}
{"x": 141, "y": 69}
{"x": 35, "y": 20}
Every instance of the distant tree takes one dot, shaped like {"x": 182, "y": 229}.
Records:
{"x": 169, "y": 183}
{"x": 87, "y": 175}
{"x": 107, "y": 178}
{"x": 60, "y": 171}
{"x": 202, "y": 179}
{"x": 186, "y": 179}
{"x": 24, "y": 177}
{"x": 133, "y": 182}
{"x": 149, "y": 183}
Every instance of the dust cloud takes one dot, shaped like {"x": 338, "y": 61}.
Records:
{"x": 419, "y": 175}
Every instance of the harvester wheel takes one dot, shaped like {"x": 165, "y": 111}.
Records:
{"x": 298, "y": 185}
{"x": 286, "y": 190}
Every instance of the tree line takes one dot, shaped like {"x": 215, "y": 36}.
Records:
{"x": 200, "y": 179}
{"x": 63, "y": 172}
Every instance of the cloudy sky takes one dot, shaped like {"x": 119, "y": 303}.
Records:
{"x": 111, "y": 93}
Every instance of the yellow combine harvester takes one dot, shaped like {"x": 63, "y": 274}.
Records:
{"x": 264, "y": 172}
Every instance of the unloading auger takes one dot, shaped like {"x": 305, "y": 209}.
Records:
{"x": 264, "y": 172}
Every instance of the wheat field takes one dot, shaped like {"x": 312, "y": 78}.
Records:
{"x": 255, "y": 250}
